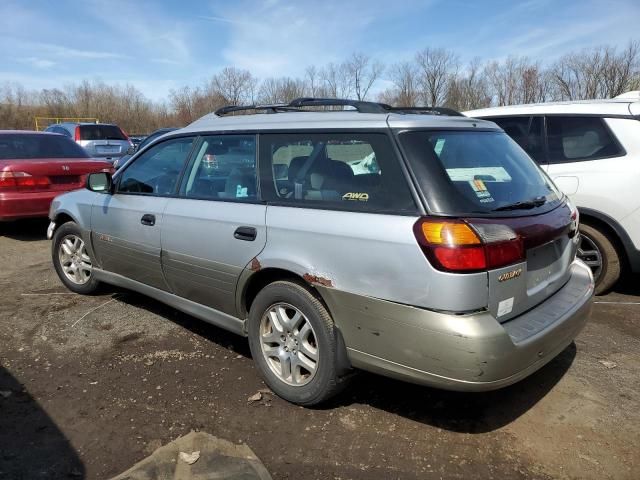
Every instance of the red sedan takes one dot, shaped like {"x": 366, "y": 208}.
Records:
{"x": 35, "y": 167}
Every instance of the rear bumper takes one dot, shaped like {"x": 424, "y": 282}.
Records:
{"x": 460, "y": 352}
{"x": 15, "y": 205}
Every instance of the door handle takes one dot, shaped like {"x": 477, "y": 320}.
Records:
{"x": 148, "y": 219}
{"x": 245, "y": 233}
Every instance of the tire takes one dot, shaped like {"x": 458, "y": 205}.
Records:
{"x": 73, "y": 256}
{"x": 599, "y": 253}
{"x": 270, "y": 345}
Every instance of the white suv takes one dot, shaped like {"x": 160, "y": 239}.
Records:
{"x": 591, "y": 149}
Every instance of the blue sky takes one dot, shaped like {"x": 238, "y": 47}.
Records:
{"x": 157, "y": 46}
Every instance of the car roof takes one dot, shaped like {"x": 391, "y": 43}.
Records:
{"x": 329, "y": 120}
{"x": 62, "y": 124}
{"x": 25, "y": 132}
{"x": 623, "y": 105}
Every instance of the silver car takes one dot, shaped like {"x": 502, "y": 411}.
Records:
{"x": 100, "y": 140}
{"x": 418, "y": 244}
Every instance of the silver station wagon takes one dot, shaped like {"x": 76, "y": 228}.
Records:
{"x": 340, "y": 235}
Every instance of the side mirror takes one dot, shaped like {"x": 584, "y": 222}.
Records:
{"x": 100, "y": 182}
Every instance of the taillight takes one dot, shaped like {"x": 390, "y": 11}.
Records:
{"x": 575, "y": 219}
{"x": 126, "y": 137}
{"x": 22, "y": 181}
{"x": 76, "y": 135}
{"x": 460, "y": 246}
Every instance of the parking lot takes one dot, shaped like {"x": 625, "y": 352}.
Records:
{"x": 91, "y": 385}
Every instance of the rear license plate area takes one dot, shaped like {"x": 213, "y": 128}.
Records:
{"x": 64, "y": 179}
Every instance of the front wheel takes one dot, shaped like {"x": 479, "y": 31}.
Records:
{"x": 71, "y": 259}
{"x": 293, "y": 343}
{"x": 599, "y": 253}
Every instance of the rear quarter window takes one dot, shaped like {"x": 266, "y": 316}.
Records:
{"x": 574, "y": 139}
{"x": 343, "y": 171}
{"x": 475, "y": 172}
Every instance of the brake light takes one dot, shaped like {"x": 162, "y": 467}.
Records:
{"x": 76, "y": 135}
{"x": 460, "y": 246}
{"x": 22, "y": 181}
{"x": 126, "y": 137}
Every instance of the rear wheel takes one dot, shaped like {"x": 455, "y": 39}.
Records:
{"x": 293, "y": 343}
{"x": 599, "y": 253}
{"x": 71, "y": 259}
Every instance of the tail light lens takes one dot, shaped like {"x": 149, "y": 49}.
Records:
{"x": 22, "y": 181}
{"x": 126, "y": 137}
{"x": 460, "y": 246}
{"x": 575, "y": 219}
{"x": 76, "y": 134}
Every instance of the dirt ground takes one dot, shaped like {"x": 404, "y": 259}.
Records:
{"x": 90, "y": 385}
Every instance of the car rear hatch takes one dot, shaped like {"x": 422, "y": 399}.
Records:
{"x": 52, "y": 174}
{"x": 103, "y": 141}
{"x": 493, "y": 210}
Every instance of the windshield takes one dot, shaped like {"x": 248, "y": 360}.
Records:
{"x": 101, "y": 132}
{"x": 34, "y": 146}
{"x": 477, "y": 172}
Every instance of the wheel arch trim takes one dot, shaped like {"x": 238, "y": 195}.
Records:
{"x": 632, "y": 254}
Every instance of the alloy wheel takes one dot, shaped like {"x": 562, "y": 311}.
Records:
{"x": 590, "y": 254}
{"x": 288, "y": 344}
{"x": 74, "y": 259}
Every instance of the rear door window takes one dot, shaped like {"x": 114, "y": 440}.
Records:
{"x": 477, "y": 172}
{"x": 347, "y": 171}
{"x": 224, "y": 168}
{"x": 101, "y": 132}
{"x": 574, "y": 139}
{"x": 528, "y": 132}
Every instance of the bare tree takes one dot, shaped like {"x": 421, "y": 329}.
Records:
{"x": 362, "y": 74}
{"x": 469, "y": 89}
{"x": 236, "y": 86}
{"x": 281, "y": 90}
{"x": 335, "y": 80}
{"x": 313, "y": 82}
{"x": 517, "y": 80}
{"x": 433, "y": 77}
{"x": 437, "y": 67}
{"x": 405, "y": 91}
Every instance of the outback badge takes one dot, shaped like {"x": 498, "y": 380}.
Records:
{"x": 509, "y": 275}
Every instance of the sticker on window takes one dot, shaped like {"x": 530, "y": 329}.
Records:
{"x": 241, "y": 191}
{"x": 363, "y": 197}
{"x": 481, "y": 190}
{"x": 487, "y": 174}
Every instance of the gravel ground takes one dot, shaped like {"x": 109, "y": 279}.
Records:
{"x": 90, "y": 385}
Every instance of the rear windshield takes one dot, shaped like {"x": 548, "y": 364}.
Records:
{"x": 101, "y": 132}
{"x": 477, "y": 172}
{"x": 33, "y": 146}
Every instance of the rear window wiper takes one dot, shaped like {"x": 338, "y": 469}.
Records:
{"x": 526, "y": 205}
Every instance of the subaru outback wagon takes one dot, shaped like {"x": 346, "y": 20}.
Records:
{"x": 418, "y": 244}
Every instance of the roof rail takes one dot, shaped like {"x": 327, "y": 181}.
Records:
{"x": 273, "y": 108}
{"x": 359, "y": 105}
{"x": 433, "y": 110}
